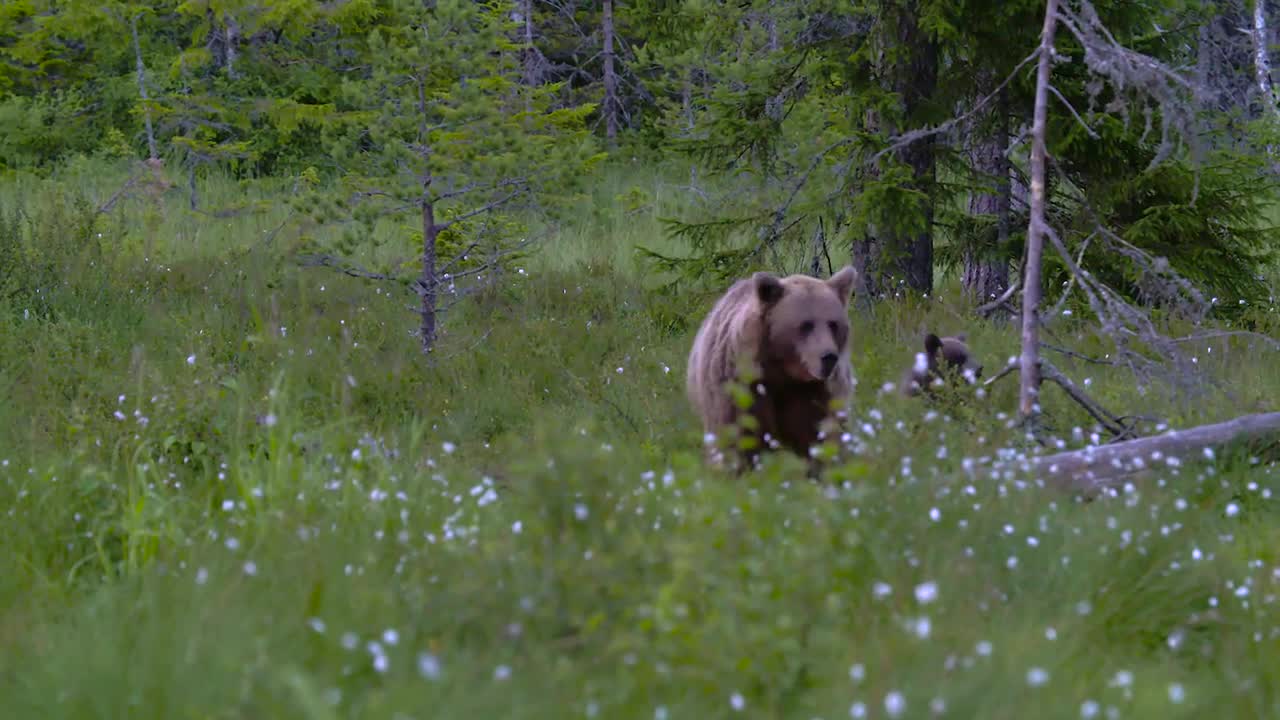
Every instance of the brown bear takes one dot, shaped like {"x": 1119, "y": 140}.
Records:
{"x": 787, "y": 340}
{"x": 943, "y": 357}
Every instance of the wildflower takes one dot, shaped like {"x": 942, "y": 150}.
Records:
{"x": 926, "y": 592}
{"x": 428, "y": 666}
{"x": 894, "y": 703}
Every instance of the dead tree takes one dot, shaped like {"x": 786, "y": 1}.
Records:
{"x": 1029, "y": 392}
{"x": 1262, "y": 57}
{"x": 1106, "y": 466}
{"x": 142, "y": 89}
{"x": 1139, "y": 344}
{"x": 610, "y": 76}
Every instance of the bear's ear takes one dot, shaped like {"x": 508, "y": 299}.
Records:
{"x": 931, "y": 344}
{"x": 768, "y": 287}
{"x": 842, "y": 282}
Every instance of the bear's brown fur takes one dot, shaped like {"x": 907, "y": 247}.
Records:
{"x": 787, "y": 338}
{"x": 943, "y": 357}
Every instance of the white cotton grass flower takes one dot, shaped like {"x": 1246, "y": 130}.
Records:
{"x": 429, "y": 666}
{"x": 926, "y": 592}
{"x": 894, "y": 703}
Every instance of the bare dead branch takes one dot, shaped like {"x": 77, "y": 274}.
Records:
{"x": 1114, "y": 424}
{"x": 914, "y": 136}
{"x": 780, "y": 214}
{"x": 1001, "y": 301}
{"x": 346, "y": 267}
{"x": 1009, "y": 368}
{"x": 469, "y": 348}
{"x": 267, "y": 240}
{"x": 1126, "y": 69}
{"x": 1078, "y": 355}
{"x": 1071, "y": 282}
{"x": 490, "y": 263}
{"x": 1214, "y": 334}
{"x": 1096, "y": 411}
{"x": 1074, "y": 113}
{"x": 473, "y": 187}
{"x": 487, "y": 207}
{"x": 121, "y": 192}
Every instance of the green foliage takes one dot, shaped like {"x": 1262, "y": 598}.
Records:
{"x": 1207, "y": 221}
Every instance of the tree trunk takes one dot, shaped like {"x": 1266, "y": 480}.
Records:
{"x": 610, "y": 78}
{"x": 686, "y": 101}
{"x": 1262, "y": 57}
{"x": 986, "y": 270}
{"x": 889, "y": 256}
{"x": 142, "y": 90}
{"x": 1029, "y": 394}
{"x": 530, "y": 58}
{"x": 233, "y": 39}
{"x": 1110, "y": 465}
{"x": 866, "y": 255}
{"x": 917, "y": 82}
{"x": 427, "y": 281}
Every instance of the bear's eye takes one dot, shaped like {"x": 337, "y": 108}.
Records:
{"x": 835, "y": 328}
{"x": 806, "y": 327}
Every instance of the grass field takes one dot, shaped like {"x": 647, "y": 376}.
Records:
{"x": 232, "y": 488}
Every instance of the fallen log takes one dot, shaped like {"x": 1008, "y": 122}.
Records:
{"x": 1101, "y": 466}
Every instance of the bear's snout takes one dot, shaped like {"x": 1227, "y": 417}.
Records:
{"x": 829, "y": 364}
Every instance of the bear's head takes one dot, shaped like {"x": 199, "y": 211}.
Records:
{"x": 943, "y": 356}
{"x": 806, "y": 324}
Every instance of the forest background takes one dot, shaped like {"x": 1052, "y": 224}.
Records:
{"x": 342, "y": 349}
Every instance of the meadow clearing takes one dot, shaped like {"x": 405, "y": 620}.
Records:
{"x": 232, "y": 487}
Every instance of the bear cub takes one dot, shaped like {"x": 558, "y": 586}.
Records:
{"x": 943, "y": 358}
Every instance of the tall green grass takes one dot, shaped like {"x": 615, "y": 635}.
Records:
{"x": 232, "y": 488}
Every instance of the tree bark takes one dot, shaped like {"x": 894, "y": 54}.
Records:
{"x": 916, "y": 82}
{"x": 427, "y": 281}
{"x": 866, "y": 255}
{"x": 686, "y": 101}
{"x": 142, "y": 90}
{"x": 610, "y": 78}
{"x": 986, "y": 270}
{"x": 1262, "y": 57}
{"x": 890, "y": 256}
{"x": 1109, "y": 465}
{"x": 1029, "y": 394}
{"x": 232, "y": 40}
{"x": 531, "y": 61}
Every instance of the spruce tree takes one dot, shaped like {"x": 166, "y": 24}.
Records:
{"x": 439, "y": 139}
